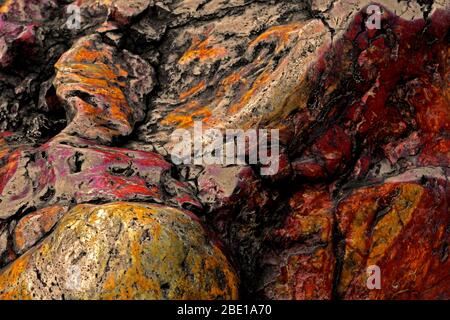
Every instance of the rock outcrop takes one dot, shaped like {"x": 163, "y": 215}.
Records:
{"x": 122, "y": 251}
{"x": 88, "y": 187}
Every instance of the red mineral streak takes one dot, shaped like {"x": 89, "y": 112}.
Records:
{"x": 402, "y": 228}
{"x": 86, "y": 173}
{"x": 396, "y": 69}
{"x": 381, "y": 112}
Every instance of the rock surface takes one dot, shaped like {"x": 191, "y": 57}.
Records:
{"x": 33, "y": 227}
{"x": 69, "y": 170}
{"x": 403, "y": 229}
{"x": 104, "y": 96}
{"x": 122, "y": 251}
{"x": 87, "y": 114}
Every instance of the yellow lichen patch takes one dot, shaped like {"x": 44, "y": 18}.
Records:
{"x": 296, "y": 100}
{"x": 356, "y": 214}
{"x": 201, "y": 50}
{"x": 390, "y": 226}
{"x": 232, "y": 79}
{"x": 96, "y": 4}
{"x": 34, "y": 225}
{"x": 123, "y": 251}
{"x": 105, "y": 2}
{"x": 4, "y": 152}
{"x": 118, "y": 10}
{"x": 24, "y": 10}
{"x": 11, "y": 280}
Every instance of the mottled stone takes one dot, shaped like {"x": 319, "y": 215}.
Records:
{"x": 403, "y": 229}
{"x": 299, "y": 260}
{"x": 69, "y": 170}
{"x": 34, "y": 226}
{"x": 121, "y": 11}
{"x": 363, "y": 118}
{"x": 122, "y": 251}
{"x": 216, "y": 184}
{"x": 227, "y": 72}
{"x": 7, "y": 253}
{"x": 3, "y": 239}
